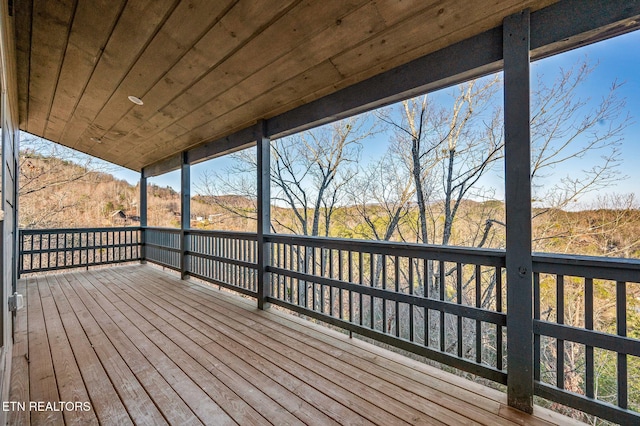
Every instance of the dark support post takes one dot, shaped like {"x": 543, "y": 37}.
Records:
{"x": 142, "y": 212}
{"x": 264, "y": 212}
{"x": 518, "y": 212}
{"x": 185, "y": 208}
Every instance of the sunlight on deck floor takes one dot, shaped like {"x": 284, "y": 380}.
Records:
{"x": 144, "y": 347}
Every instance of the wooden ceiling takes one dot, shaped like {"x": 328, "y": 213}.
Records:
{"x": 206, "y": 69}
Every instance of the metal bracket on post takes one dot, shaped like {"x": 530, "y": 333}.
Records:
{"x": 264, "y": 212}
{"x": 516, "y": 48}
{"x": 16, "y": 302}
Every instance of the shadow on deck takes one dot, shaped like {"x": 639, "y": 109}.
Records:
{"x": 141, "y": 346}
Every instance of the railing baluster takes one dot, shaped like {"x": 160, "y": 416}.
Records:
{"x": 621, "y": 326}
{"x": 57, "y": 262}
{"x": 536, "y": 315}
{"x": 459, "y": 301}
{"x": 372, "y": 284}
{"x": 323, "y": 266}
{"x": 588, "y": 324}
{"x": 340, "y": 292}
{"x": 441, "y": 290}
{"x": 331, "y": 288}
{"x": 499, "y": 353}
{"x": 313, "y": 284}
{"x": 243, "y": 250}
{"x": 305, "y": 269}
{"x": 426, "y": 284}
{"x": 291, "y": 258}
{"x": 350, "y": 259}
{"x": 411, "y": 306}
{"x": 383, "y": 285}
{"x": 397, "y": 289}
{"x": 48, "y": 247}
{"x": 361, "y": 275}
{"x": 478, "y": 272}
{"x": 31, "y": 254}
{"x": 560, "y": 342}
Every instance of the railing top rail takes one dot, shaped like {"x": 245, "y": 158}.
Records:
{"x": 228, "y": 234}
{"x": 162, "y": 229}
{"x": 491, "y": 257}
{"x": 34, "y": 231}
{"x": 612, "y": 268}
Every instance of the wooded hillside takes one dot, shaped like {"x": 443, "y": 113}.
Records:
{"x": 57, "y": 193}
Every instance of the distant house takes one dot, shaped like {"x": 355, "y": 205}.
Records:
{"x": 119, "y": 217}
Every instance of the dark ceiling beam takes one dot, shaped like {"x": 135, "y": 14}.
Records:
{"x": 470, "y": 58}
{"x": 570, "y": 24}
{"x": 554, "y": 29}
{"x": 163, "y": 166}
{"x": 562, "y": 26}
{"x": 235, "y": 142}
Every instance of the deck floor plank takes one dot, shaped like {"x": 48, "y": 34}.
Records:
{"x": 333, "y": 383}
{"x": 104, "y": 399}
{"x": 394, "y": 385}
{"x": 69, "y": 380}
{"x": 145, "y": 347}
{"x": 139, "y": 405}
{"x": 42, "y": 377}
{"x": 237, "y": 374}
{"x": 382, "y": 406}
{"x": 143, "y": 359}
{"x": 164, "y": 397}
{"x": 269, "y": 365}
{"x": 193, "y": 385}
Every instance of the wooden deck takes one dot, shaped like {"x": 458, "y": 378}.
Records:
{"x": 142, "y": 346}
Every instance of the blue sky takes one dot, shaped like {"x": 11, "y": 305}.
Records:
{"x": 617, "y": 60}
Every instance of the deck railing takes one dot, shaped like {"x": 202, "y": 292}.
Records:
{"x": 228, "y": 259}
{"x": 163, "y": 246}
{"x": 446, "y": 303}
{"x": 52, "y": 249}
{"x": 581, "y": 309}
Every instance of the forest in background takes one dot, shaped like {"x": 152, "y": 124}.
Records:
{"x": 57, "y": 193}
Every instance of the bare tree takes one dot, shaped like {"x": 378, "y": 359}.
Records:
{"x": 46, "y": 172}
{"x": 309, "y": 172}
{"x": 381, "y": 197}
{"x": 447, "y": 151}
{"x": 566, "y": 127}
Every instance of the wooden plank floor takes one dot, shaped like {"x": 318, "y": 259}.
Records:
{"x": 143, "y": 347}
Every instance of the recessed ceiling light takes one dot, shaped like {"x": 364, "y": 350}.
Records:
{"x": 96, "y": 140}
{"x": 135, "y": 100}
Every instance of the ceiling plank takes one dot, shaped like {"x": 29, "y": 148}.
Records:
{"x": 209, "y": 70}
{"x": 23, "y": 57}
{"x": 92, "y": 25}
{"x": 48, "y": 44}
{"x": 264, "y": 93}
{"x": 231, "y": 121}
{"x": 235, "y": 28}
{"x": 352, "y": 28}
{"x": 135, "y": 28}
{"x": 282, "y": 36}
{"x": 260, "y": 94}
{"x": 423, "y": 34}
{"x": 186, "y": 25}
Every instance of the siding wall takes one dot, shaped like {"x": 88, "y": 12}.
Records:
{"x": 8, "y": 188}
